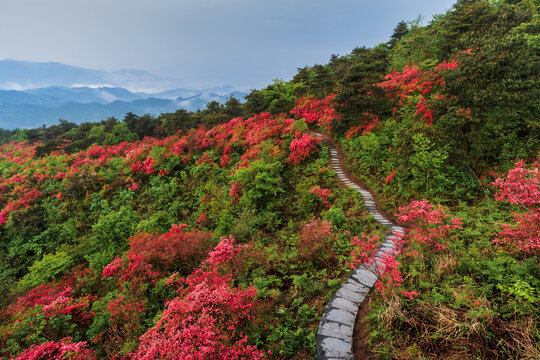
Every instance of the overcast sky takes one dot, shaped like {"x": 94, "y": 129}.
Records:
{"x": 244, "y": 43}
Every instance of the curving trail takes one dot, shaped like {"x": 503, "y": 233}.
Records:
{"x": 335, "y": 335}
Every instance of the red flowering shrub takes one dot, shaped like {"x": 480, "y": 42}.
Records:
{"x": 151, "y": 254}
{"x": 364, "y": 248}
{"x": 235, "y": 193}
{"x": 403, "y": 85}
{"x": 369, "y": 121}
{"x": 302, "y": 146}
{"x": 61, "y": 350}
{"x": 521, "y": 186}
{"x": 429, "y": 226}
{"x": 224, "y": 160}
{"x": 521, "y": 237}
{"x": 315, "y": 242}
{"x": 65, "y": 304}
{"x": 321, "y": 194}
{"x": 224, "y": 253}
{"x": 390, "y": 176}
{"x": 423, "y": 110}
{"x": 385, "y": 267}
{"x": 390, "y": 277}
{"x": 317, "y": 111}
{"x": 209, "y": 317}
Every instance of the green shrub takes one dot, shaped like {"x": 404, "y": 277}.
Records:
{"x": 46, "y": 270}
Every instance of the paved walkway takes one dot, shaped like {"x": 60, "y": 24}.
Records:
{"x": 335, "y": 335}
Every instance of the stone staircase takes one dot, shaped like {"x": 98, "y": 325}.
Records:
{"x": 336, "y": 328}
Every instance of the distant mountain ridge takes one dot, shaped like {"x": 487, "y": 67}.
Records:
{"x": 22, "y": 75}
{"x": 36, "y": 94}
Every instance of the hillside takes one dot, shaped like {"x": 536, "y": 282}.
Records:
{"x": 224, "y": 233}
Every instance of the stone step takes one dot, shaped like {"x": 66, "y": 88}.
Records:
{"x": 336, "y": 328}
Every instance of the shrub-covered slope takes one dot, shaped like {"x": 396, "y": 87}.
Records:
{"x": 225, "y": 241}
{"x": 116, "y": 250}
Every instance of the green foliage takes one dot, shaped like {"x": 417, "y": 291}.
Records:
{"x": 367, "y": 150}
{"x": 263, "y": 181}
{"x": 400, "y": 31}
{"x": 417, "y": 46}
{"x": 276, "y": 98}
{"x": 336, "y": 216}
{"x": 160, "y": 222}
{"x": 426, "y": 164}
{"x": 319, "y": 81}
{"x": 120, "y": 133}
{"x": 358, "y": 91}
{"x": 109, "y": 235}
{"x": 498, "y": 83}
{"x": 46, "y": 269}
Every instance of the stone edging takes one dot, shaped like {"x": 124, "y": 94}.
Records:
{"x": 335, "y": 335}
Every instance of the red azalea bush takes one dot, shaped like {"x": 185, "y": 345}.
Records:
{"x": 520, "y": 186}
{"x": 302, "y": 146}
{"x": 313, "y": 110}
{"x": 415, "y": 82}
{"x": 429, "y": 225}
{"x": 57, "y": 350}
{"x": 315, "y": 242}
{"x": 322, "y": 194}
{"x": 368, "y": 121}
{"x": 209, "y": 318}
{"x": 151, "y": 254}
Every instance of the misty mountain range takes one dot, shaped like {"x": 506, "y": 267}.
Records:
{"x": 36, "y": 94}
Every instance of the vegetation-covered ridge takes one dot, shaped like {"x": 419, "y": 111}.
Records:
{"x": 132, "y": 239}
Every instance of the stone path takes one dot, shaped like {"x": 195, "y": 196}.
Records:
{"x": 335, "y": 335}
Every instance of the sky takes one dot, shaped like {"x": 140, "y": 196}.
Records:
{"x": 202, "y": 43}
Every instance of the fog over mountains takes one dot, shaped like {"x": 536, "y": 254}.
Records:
{"x": 33, "y": 94}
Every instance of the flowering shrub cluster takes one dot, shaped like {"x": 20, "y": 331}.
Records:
{"x": 521, "y": 186}
{"x": 321, "y": 112}
{"x": 84, "y": 172}
{"x": 152, "y": 254}
{"x": 369, "y": 121}
{"x": 301, "y": 147}
{"x": 322, "y": 194}
{"x": 363, "y": 251}
{"x": 208, "y": 318}
{"x": 429, "y": 229}
{"x": 57, "y": 350}
{"x": 385, "y": 266}
{"x": 412, "y": 83}
{"x": 429, "y": 225}
{"x": 315, "y": 242}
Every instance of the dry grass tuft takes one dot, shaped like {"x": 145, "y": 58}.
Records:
{"x": 442, "y": 332}
{"x": 445, "y": 263}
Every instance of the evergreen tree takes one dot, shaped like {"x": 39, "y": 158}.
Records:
{"x": 358, "y": 91}
{"x": 400, "y": 31}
